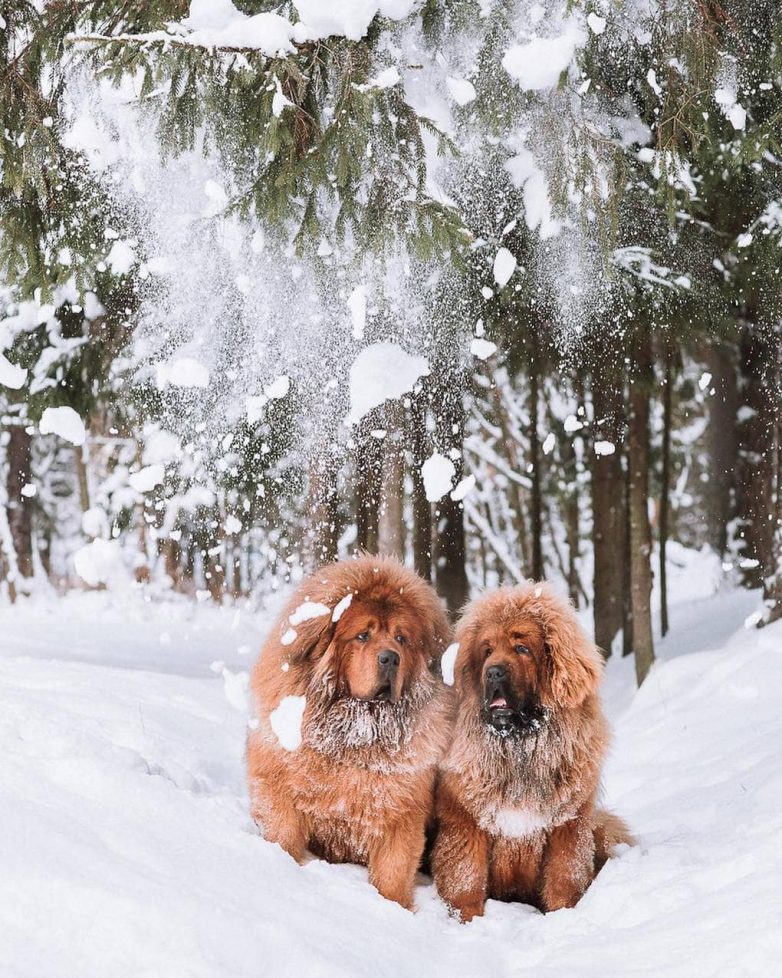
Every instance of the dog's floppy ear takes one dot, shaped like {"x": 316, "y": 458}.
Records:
{"x": 575, "y": 664}
{"x": 306, "y": 630}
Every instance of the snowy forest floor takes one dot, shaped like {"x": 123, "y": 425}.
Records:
{"x": 126, "y": 848}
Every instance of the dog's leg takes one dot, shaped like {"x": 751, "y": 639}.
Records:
{"x": 460, "y": 858}
{"x": 568, "y": 865}
{"x": 394, "y": 859}
{"x": 278, "y": 819}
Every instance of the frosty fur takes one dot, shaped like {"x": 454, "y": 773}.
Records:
{"x": 517, "y": 817}
{"x": 360, "y": 787}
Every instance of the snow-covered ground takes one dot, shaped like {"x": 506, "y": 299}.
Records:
{"x": 126, "y": 848}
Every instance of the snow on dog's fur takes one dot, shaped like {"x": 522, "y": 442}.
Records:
{"x": 517, "y": 790}
{"x": 361, "y": 640}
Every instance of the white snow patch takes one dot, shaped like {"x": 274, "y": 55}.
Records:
{"x": 357, "y": 304}
{"x": 278, "y": 388}
{"x": 183, "y": 372}
{"x": 463, "y": 488}
{"x": 604, "y": 448}
{"x": 288, "y": 637}
{"x": 438, "y": 473}
{"x": 597, "y": 24}
{"x": 121, "y": 258}
{"x": 279, "y": 101}
{"x": 744, "y": 240}
{"x": 97, "y": 562}
{"x": 64, "y": 422}
{"x": 147, "y": 478}
{"x": 538, "y": 64}
{"x": 11, "y": 375}
{"x": 514, "y": 823}
{"x": 286, "y": 721}
{"x": 448, "y": 662}
{"x": 341, "y": 607}
{"x": 572, "y": 424}
{"x": 482, "y": 349}
{"x": 704, "y": 381}
{"x": 308, "y": 610}
{"x": 347, "y": 18}
{"x": 461, "y": 91}
{"x": 548, "y": 443}
{"x": 382, "y": 372}
{"x": 504, "y": 267}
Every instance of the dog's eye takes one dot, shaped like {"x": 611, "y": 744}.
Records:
{"x": 401, "y": 639}
{"x": 522, "y": 650}
{"x": 486, "y": 653}
{"x": 362, "y": 636}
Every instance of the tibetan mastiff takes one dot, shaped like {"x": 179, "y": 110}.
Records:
{"x": 352, "y": 720}
{"x": 517, "y": 789}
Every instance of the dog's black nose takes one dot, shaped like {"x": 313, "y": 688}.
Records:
{"x": 388, "y": 659}
{"x": 496, "y": 674}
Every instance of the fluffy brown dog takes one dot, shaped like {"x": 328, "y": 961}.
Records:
{"x": 361, "y": 640}
{"x": 517, "y": 789}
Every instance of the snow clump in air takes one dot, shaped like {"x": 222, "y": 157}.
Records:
{"x": 438, "y": 473}
{"x": 382, "y": 372}
{"x": 64, "y": 422}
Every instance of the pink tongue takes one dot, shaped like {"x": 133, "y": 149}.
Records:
{"x": 500, "y": 701}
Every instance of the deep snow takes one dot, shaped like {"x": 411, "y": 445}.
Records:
{"x": 126, "y": 848}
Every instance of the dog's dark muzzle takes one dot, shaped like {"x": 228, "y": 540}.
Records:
{"x": 502, "y": 709}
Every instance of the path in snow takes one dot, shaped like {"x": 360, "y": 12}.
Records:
{"x": 126, "y": 847}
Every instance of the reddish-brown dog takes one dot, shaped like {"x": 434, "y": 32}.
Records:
{"x": 517, "y": 790}
{"x": 361, "y": 641}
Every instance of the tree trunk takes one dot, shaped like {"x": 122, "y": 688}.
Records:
{"x": 640, "y": 531}
{"x": 391, "y": 517}
{"x": 571, "y": 515}
{"x": 324, "y": 511}
{"x": 722, "y": 443}
{"x": 536, "y": 498}
{"x": 665, "y": 487}
{"x": 20, "y": 516}
{"x": 772, "y": 584}
{"x": 422, "y": 508}
{"x": 608, "y": 509}
{"x": 757, "y": 458}
{"x": 450, "y": 550}
{"x": 368, "y": 469}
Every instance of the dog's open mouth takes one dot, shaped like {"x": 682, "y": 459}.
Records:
{"x": 498, "y": 703}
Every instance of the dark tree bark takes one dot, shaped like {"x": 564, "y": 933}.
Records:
{"x": 20, "y": 515}
{"x": 627, "y": 584}
{"x": 608, "y": 509}
{"x": 772, "y": 584}
{"x": 665, "y": 479}
{"x": 722, "y": 443}
{"x": 756, "y": 470}
{"x": 641, "y": 377}
{"x": 422, "y": 508}
{"x": 450, "y": 549}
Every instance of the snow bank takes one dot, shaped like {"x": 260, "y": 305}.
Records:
{"x": 127, "y": 848}
{"x": 382, "y": 372}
